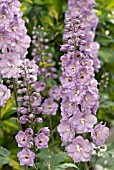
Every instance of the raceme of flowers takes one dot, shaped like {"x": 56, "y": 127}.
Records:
{"x": 30, "y": 112}
{"x": 13, "y": 41}
{"x": 79, "y": 91}
{"x": 90, "y": 20}
{"x": 43, "y": 58}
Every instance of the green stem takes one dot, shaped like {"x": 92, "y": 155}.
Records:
{"x": 95, "y": 162}
{"x": 26, "y": 167}
{"x": 85, "y": 166}
{"x": 52, "y": 137}
{"x": 15, "y": 96}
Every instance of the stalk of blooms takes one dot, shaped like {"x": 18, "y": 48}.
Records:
{"x": 90, "y": 21}
{"x": 29, "y": 114}
{"x": 14, "y": 40}
{"x": 79, "y": 91}
{"x": 44, "y": 59}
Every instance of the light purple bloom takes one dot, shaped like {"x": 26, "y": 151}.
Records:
{"x": 83, "y": 122}
{"x": 76, "y": 94}
{"x": 41, "y": 141}
{"x": 23, "y": 119}
{"x": 26, "y": 157}
{"x": 45, "y": 131}
{"x": 29, "y": 132}
{"x": 67, "y": 81}
{"x": 67, "y": 132}
{"x": 40, "y": 86}
{"x": 9, "y": 64}
{"x": 22, "y": 139}
{"x": 49, "y": 107}
{"x": 99, "y": 134}
{"x": 89, "y": 100}
{"x": 54, "y": 93}
{"x": 72, "y": 67}
{"x": 80, "y": 149}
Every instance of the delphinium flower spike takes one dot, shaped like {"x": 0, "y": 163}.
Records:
{"x": 30, "y": 100}
{"x": 79, "y": 91}
{"x": 43, "y": 56}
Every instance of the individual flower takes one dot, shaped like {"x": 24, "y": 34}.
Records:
{"x": 29, "y": 132}
{"x": 72, "y": 67}
{"x": 90, "y": 100}
{"x": 22, "y": 110}
{"x": 40, "y": 86}
{"x": 23, "y": 119}
{"x": 4, "y": 94}
{"x": 49, "y": 107}
{"x": 83, "y": 122}
{"x": 22, "y": 139}
{"x": 54, "y": 92}
{"x": 67, "y": 132}
{"x": 45, "y": 131}
{"x": 99, "y": 134}
{"x": 80, "y": 149}
{"x": 41, "y": 141}
{"x": 76, "y": 94}
{"x": 26, "y": 157}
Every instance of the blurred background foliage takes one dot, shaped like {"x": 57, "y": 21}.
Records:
{"x": 50, "y": 15}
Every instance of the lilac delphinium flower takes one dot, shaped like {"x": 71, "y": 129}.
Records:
{"x": 78, "y": 90}
{"x": 100, "y": 134}
{"x": 41, "y": 141}
{"x": 54, "y": 93}
{"x": 4, "y": 94}
{"x": 26, "y": 157}
{"x": 22, "y": 139}
{"x": 80, "y": 149}
{"x": 9, "y": 65}
{"x": 83, "y": 122}
{"x": 67, "y": 132}
{"x": 49, "y": 107}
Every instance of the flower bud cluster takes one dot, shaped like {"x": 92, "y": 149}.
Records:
{"x": 90, "y": 21}
{"x": 44, "y": 59}
{"x": 79, "y": 92}
{"x": 30, "y": 110}
{"x": 41, "y": 53}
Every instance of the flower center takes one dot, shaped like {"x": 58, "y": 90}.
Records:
{"x": 69, "y": 79}
{"x": 10, "y": 64}
{"x": 78, "y": 148}
{"x": 26, "y": 156}
{"x": 73, "y": 68}
{"x": 49, "y": 106}
{"x": 1, "y": 94}
{"x": 77, "y": 93}
{"x": 82, "y": 120}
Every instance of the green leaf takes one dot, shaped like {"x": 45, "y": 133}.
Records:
{"x": 9, "y": 108}
{"x": 26, "y": 8}
{"x": 107, "y": 54}
{"x": 56, "y": 159}
{"x": 10, "y": 125}
{"x": 66, "y": 165}
{"x": 4, "y": 156}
